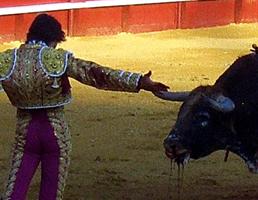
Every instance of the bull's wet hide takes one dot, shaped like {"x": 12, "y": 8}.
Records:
{"x": 222, "y": 116}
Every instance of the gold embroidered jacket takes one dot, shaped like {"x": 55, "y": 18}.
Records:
{"x": 36, "y": 76}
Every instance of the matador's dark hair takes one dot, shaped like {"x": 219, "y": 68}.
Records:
{"x": 47, "y": 29}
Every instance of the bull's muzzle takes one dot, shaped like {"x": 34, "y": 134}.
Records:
{"x": 173, "y": 147}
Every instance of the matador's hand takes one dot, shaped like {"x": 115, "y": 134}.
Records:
{"x": 147, "y": 84}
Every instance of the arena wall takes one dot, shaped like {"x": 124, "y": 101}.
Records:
{"x": 99, "y": 17}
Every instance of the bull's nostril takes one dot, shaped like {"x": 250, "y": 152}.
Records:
{"x": 170, "y": 144}
{"x": 171, "y": 139}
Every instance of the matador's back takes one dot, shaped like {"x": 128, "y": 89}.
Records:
{"x": 33, "y": 76}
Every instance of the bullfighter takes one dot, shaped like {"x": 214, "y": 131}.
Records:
{"x": 35, "y": 79}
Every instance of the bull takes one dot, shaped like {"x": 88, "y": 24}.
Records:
{"x": 223, "y": 116}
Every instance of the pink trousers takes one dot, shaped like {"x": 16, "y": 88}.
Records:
{"x": 42, "y": 138}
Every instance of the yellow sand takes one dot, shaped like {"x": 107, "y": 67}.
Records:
{"x": 117, "y": 137}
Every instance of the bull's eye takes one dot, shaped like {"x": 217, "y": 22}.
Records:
{"x": 204, "y": 123}
{"x": 201, "y": 119}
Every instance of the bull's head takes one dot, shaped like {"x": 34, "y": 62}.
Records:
{"x": 204, "y": 125}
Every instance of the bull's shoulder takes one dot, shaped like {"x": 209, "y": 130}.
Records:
{"x": 240, "y": 80}
{"x": 243, "y": 67}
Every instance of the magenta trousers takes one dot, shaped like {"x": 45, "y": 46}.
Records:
{"x": 42, "y": 137}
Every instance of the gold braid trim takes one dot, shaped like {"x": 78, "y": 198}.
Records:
{"x": 54, "y": 61}
{"x": 23, "y": 120}
{"x": 7, "y": 60}
{"x": 61, "y": 131}
{"x": 93, "y": 74}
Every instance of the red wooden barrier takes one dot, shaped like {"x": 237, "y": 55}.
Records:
{"x": 156, "y": 17}
{"x": 207, "y": 13}
{"x": 97, "y": 21}
{"x": 7, "y": 28}
{"x": 249, "y": 11}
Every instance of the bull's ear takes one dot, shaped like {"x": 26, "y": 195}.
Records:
{"x": 172, "y": 96}
{"x": 222, "y": 103}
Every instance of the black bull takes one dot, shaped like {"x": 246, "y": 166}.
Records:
{"x": 217, "y": 117}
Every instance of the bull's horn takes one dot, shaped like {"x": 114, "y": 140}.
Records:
{"x": 222, "y": 103}
{"x": 172, "y": 96}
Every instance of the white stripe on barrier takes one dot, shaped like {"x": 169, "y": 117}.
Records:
{"x": 77, "y": 5}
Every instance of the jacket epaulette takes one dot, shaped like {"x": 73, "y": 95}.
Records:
{"x": 54, "y": 61}
{"x": 7, "y": 63}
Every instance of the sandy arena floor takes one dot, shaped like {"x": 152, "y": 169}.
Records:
{"x": 117, "y": 137}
